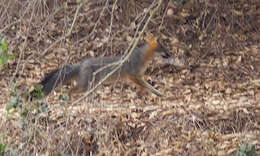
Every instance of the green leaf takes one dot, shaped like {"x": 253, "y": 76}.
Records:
{"x": 246, "y": 149}
{"x": 14, "y": 102}
{"x": 240, "y": 154}
{"x": 57, "y": 10}
{"x": 8, "y": 108}
{"x": 4, "y": 59}
{"x": 38, "y": 87}
{"x": 178, "y": 1}
{"x": 21, "y": 122}
{"x": 3, "y": 40}
{"x": 4, "y": 46}
{"x": 24, "y": 114}
{"x": 251, "y": 147}
{"x": 11, "y": 56}
{"x": 243, "y": 147}
{"x": 251, "y": 150}
{"x": 65, "y": 97}
{"x": 2, "y": 148}
{"x": 9, "y": 116}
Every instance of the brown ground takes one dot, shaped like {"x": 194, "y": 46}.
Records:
{"x": 212, "y": 104}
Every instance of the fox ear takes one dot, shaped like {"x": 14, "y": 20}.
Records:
{"x": 151, "y": 39}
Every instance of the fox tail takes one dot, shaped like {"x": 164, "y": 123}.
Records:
{"x": 59, "y": 76}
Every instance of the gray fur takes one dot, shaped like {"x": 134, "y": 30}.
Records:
{"x": 83, "y": 72}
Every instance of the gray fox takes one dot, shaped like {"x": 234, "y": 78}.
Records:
{"x": 89, "y": 72}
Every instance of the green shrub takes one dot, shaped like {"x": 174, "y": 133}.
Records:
{"x": 246, "y": 149}
{"x": 4, "y": 55}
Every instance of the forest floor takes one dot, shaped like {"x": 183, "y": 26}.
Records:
{"x": 211, "y": 105}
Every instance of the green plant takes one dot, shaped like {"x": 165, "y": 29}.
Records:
{"x": 246, "y": 149}
{"x": 179, "y": 1}
{"x": 2, "y": 148}
{"x": 12, "y": 107}
{"x": 4, "y": 55}
{"x": 37, "y": 92}
{"x": 26, "y": 108}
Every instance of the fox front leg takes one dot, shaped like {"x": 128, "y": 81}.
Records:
{"x": 151, "y": 88}
{"x": 141, "y": 82}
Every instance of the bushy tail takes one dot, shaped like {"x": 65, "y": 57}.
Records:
{"x": 61, "y": 75}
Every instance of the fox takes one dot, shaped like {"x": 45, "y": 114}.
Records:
{"x": 90, "y": 71}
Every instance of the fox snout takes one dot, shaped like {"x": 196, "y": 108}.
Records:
{"x": 162, "y": 51}
{"x": 165, "y": 54}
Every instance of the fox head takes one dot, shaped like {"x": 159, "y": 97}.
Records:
{"x": 156, "y": 47}
{"x": 162, "y": 51}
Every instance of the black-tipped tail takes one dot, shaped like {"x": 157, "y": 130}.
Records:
{"x": 58, "y": 76}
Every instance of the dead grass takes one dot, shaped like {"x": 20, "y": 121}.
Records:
{"x": 212, "y": 103}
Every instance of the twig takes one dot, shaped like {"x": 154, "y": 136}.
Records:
{"x": 96, "y": 24}
{"x": 68, "y": 33}
{"x": 120, "y": 62}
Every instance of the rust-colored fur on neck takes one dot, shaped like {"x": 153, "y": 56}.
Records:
{"x": 152, "y": 46}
